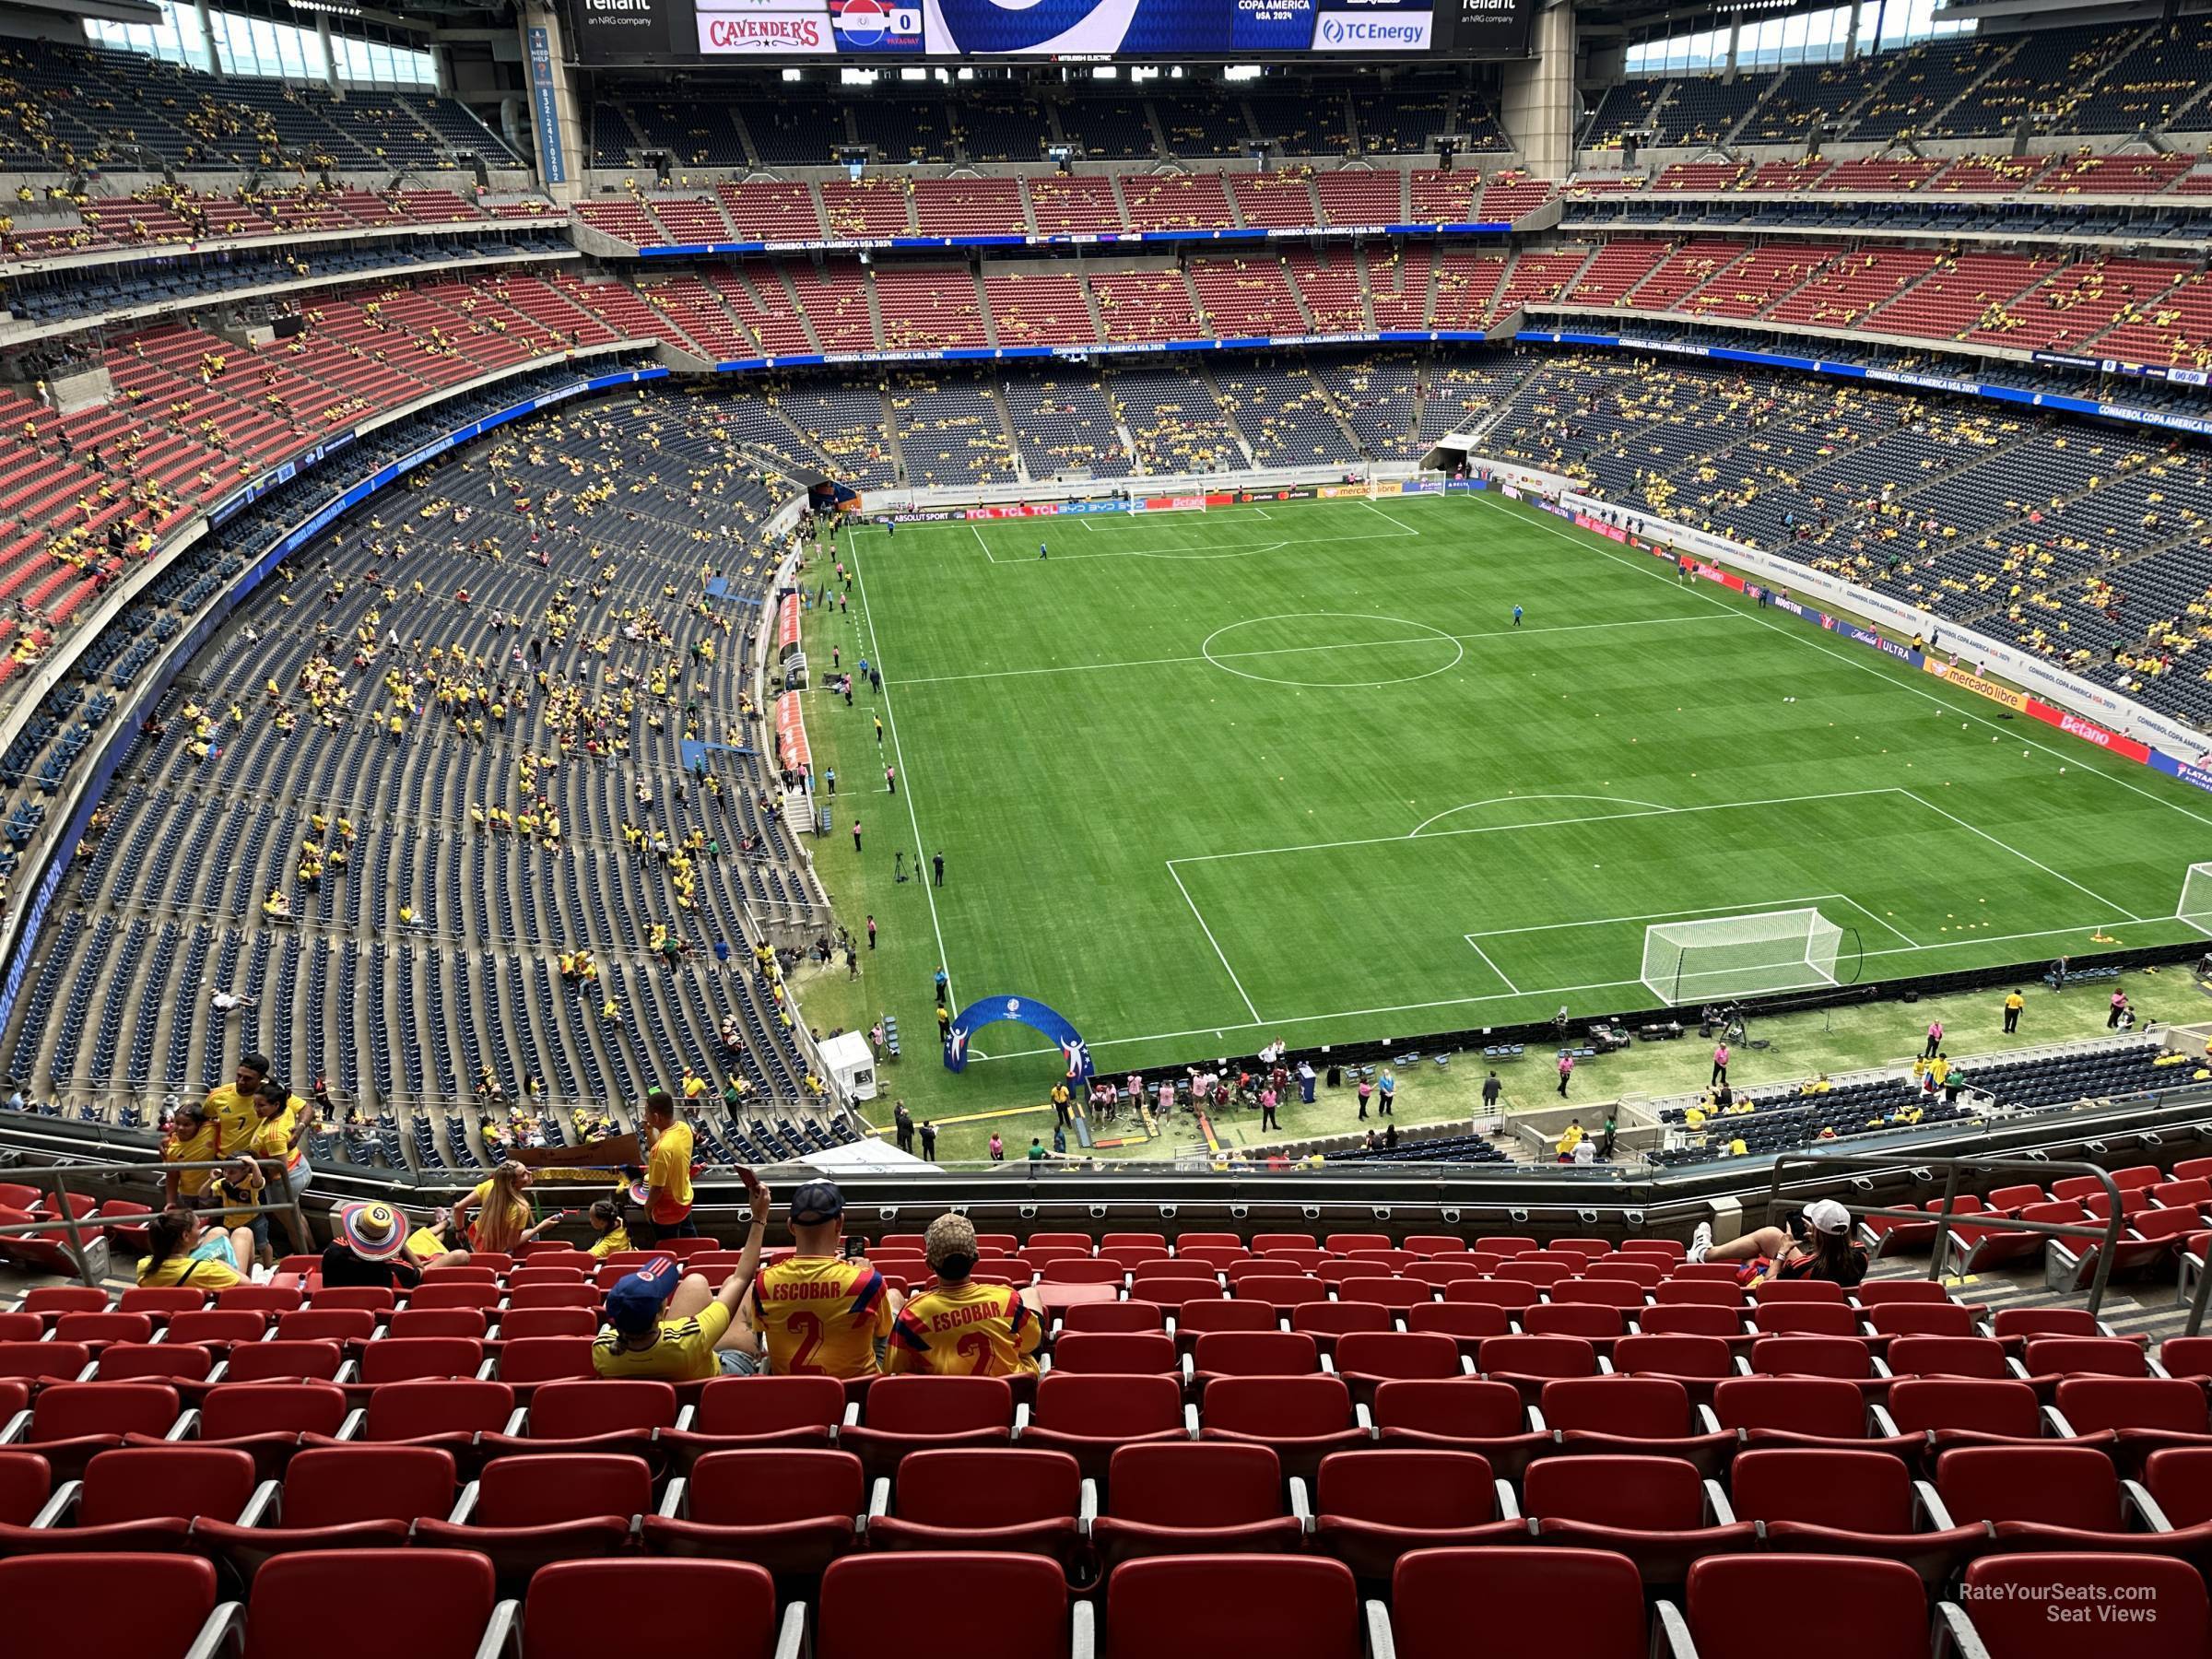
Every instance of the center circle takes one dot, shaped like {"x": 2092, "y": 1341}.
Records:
{"x": 1331, "y": 650}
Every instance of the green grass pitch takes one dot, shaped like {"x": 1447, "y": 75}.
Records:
{"x": 1205, "y": 780}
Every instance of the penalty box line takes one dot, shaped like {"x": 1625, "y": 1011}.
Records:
{"x": 1810, "y": 902}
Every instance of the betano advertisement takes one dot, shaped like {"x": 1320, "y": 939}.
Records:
{"x": 612, "y": 33}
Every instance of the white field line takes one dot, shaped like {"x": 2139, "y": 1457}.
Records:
{"x": 1200, "y": 915}
{"x": 890, "y": 722}
{"x": 1495, "y": 634}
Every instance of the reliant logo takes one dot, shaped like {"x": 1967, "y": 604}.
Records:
{"x": 2075, "y": 726}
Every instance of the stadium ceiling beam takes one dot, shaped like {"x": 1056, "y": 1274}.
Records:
{"x": 100, "y": 11}
{"x": 1716, "y": 14}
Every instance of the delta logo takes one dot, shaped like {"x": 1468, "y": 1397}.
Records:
{"x": 873, "y": 25}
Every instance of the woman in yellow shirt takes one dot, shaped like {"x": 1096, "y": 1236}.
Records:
{"x": 500, "y": 1214}
{"x": 182, "y": 1249}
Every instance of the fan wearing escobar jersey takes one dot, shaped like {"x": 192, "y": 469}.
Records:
{"x": 821, "y": 1316}
{"x": 967, "y": 1330}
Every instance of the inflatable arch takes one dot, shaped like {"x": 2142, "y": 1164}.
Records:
{"x": 1020, "y": 1010}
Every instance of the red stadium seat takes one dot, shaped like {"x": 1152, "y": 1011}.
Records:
{"x": 1370, "y": 1508}
{"x": 1253, "y": 1353}
{"x": 1529, "y": 1363}
{"x": 1090, "y": 1418}
{"x": 1088, "y": 1318}
{"x": 1116, "y": 1353}
{"x": 1516, "y": 1296}
{"x": 411, "y": 1321}
{"x": 793, "y": 1512}
{"x": 527, "y": 1324}
{"x": 583, "y": 1609}
{"x": 529, "y": 1361}
{"x": 1303, "y": 1419}
{"x": 607, "y": 1415}
{"x": 1366, "y": 1359}
{"x": 920, "y": 1413}
{"x": 2140, "y": 1414}
{"x": 1466, "y": 1322}
{"x": 527, "y": 1512}
{"x": 2008, "y": 1601}
{"x": 1182, "y": 1499}
{"x": 67, "y": 1603}
{"x": 343, "y": 1496}
{"x": 1564, "y": 1603}
{"x": 1010, "y": 1607}
{"x": 334, "y": 1328}
{"x": 1964, "y": 1411}
{"x": 1698, "y": 1363}
{"x": 1857, "y": 1503}
{"x": 2047, "y": 1497}
{"x": 1655, "y": 1511}
{"x": 26, "y": 1482}
{"x": 1870, "y": 1609}
{"x": 430, "y": 1411}
{"x": 736, "y": 1413}
{"x": 429, "y": 1604}
{"x": 1025, "y": 1501}
{"x": 70, "y": 1423}
{"x": 406, "y": 1358}
{"x": 1198, "y": 1318}
{"x": 1981, "y": 1357}
{"x": 1629, "y": 1414}
{"x": 137, "y": 1498}
{"x": 273, "y": 1361}
{"x": 1467, "y": 1415}
{"x": 1800, "y": 1411}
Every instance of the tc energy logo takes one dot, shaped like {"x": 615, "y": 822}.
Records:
{"x": 1386, "y": 32}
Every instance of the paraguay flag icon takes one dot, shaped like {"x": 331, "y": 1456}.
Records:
{"x": 875, "y": 26}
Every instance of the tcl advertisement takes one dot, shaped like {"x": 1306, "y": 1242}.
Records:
{"x": 617, "y": 32}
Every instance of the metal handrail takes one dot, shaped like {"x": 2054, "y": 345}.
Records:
{"x": 70, "y": 1223}
{"x": 2109, "y": 1233}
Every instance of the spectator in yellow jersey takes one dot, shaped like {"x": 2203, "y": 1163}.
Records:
{"x": 822, "y": 1314}
{"x": 182, "y": 1249}
{"x": 961, "y": 1328}
{"x": 194, "y": 1136}
{"x": 667, "y": 1171}
{"x": 606, "y": 1221}
{"x": 664, "y": 1322}
{"x": 236, "y": 1105}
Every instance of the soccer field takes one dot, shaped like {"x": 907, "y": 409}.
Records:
{"x": 1205, "y": 780}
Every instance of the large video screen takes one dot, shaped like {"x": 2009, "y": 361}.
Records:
{"x": 614, "y": 33}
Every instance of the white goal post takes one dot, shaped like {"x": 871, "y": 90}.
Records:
{"x": 1698, "y": 961}
{"x": 2195, "y": 908}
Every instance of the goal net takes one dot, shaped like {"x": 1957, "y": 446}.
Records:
{"x": 2195, "y": 908}
{"x": 1744, "y": 955}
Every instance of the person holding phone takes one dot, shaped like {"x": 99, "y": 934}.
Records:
{"x": 662, "y": 1322}
{"x": 1813, "y": 1244}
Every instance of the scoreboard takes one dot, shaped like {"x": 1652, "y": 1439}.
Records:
{"x": 617, "y": 33}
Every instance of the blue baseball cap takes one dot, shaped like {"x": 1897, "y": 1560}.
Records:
{"x": 634, "y": 1304}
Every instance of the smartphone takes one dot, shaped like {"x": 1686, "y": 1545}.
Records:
{"x": 854, "y": 1248}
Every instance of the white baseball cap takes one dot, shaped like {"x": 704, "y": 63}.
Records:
{"x": 1825, "y": 1215}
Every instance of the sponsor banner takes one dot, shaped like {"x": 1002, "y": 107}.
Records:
{"x": 545, "y": 108}
{"x": 1512, "y": 491}
{"x": 746, "y": 32}
{"x": 2089, "y": 731}
{"x": 920, "y": 516}
{"x": 791, "y": 735}
{"x": 1401, "y": 32}
{"x": 2199, "y": 775}
{"x": 1173, "y": 503}
{"x": 1114, "y": 504}
{"x": 1012, "y": 510}
{"x": 1951, "y": 674}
